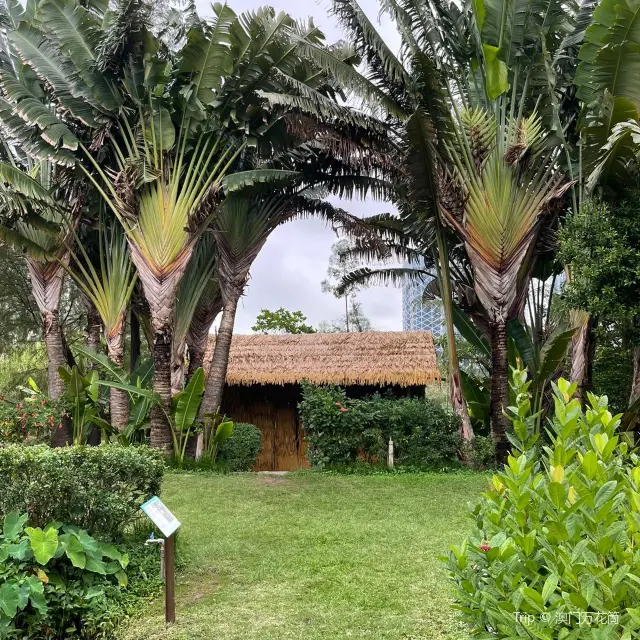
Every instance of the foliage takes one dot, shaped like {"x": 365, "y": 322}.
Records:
{"x": 28, "y": 360}
{"x": 241, "y": 450}
{"x": 281, "y": 321}
{"x": 96, "y": 488}
{"x": 82, "y": 394}
{"x": 54, "y": 578}
{"x": 555, "y": 544}
{"x": 601, "y": 246}
{"x": 340, "y": 430}
{"x": 613, "y": 366}
{"x": 217, "y": 430}
{"x": 31, "y": 420}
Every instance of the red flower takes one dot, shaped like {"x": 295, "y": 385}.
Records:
{"x": 342, "y": 410}
{"x": 485, "y": 547}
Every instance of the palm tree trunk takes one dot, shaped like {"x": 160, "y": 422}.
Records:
{"x": 218, "y": 371}
{"x": 583, "y": 351}
{"x": 458, "y": 402}
{"x": 161, "y": 437}
{"x": 499, "y": 388}
{"x": 177, "y": 367}
{"x": 135, "y": 349}
{"x": 118, "y": 399}
{"x": 93, "y": 330}
{"x": 212, "y": 399}
{"x": 55, "y": 351}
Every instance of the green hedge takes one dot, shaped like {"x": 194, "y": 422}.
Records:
{"x": 342, "y": 431}
{"x": 96, "y": 488}
{"x": 241, "y": 450}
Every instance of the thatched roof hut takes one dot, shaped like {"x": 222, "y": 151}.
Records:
{"x": 265, "y": 372}
{"x": 376, "y": 358}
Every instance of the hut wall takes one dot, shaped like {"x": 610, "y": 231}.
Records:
{"x": 274, "y": 410}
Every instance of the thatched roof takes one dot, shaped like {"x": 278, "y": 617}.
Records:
{"x": 406, "y": 358}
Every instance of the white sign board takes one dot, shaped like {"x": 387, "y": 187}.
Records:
{"x": 161, "y": 516}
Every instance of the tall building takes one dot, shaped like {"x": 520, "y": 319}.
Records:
{"x": 419, "y": 315}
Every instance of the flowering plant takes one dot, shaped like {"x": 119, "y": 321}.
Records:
{"x": 32, "y": 419}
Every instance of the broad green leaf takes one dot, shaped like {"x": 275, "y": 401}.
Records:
{"x": 9, "y": 597}
{"x": 590, "y": 464}
{"x": 74, "y": 550}
{"x": 95, "y": 564}
{"x": 189, "y": 402}
{"x": 44, "y": 544}
{"x": 123, "y": 580}
{"x": 557, "y": 493}
{"x": 469, "y": 331}
{"x": 94, "y": 592}
{"x": 224, "y": 431}
{"x": 495, "y": 72}
{"x": 549, "y": 587}
{"x": 605, "y": 492}
{"x": 13, "y": 525}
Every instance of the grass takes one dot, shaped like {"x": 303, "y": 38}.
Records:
{"x": 311, "y": 556}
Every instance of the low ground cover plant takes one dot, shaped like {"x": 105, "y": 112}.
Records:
{"x": 59, "y": 582}
{"x": 555, "y": 549}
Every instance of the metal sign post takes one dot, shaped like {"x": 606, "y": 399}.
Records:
{"x": 168, "y": 525}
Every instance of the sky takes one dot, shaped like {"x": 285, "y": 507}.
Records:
{"x": 294, "y": 261}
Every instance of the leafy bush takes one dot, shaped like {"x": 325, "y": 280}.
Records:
{"x": 31, "y": 420}
{"x": 341, "y": 431}
{"x": 52, "y": 578}
{"x": 241, "y": 450}
{"x": 555, "y": 548}
{"x": 96, "y": 488}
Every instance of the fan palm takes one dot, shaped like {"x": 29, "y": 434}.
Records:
{"x": 494, "y": 56}
{"x": 108, "y": 287}
{"x": 39, "y": 228}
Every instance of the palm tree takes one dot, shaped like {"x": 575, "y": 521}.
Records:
{"x": 41, "y": 230}
{"x": 198, "y": 304}
{"x": 496, "y": 61}
{"x": 108, "y": 286}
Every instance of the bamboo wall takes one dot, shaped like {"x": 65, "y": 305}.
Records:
{"x": 273, "y": 409}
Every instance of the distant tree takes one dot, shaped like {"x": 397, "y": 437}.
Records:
{"x": 341, "y": 263}
{"x": 354, "y": 321}
{"x": 281, "y": 321}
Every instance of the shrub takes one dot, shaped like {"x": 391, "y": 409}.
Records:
{"x": 241, "y": 450}
{"x": 96, "y": 488}
{"x": 341, "y": 431}
{"x": 555, "y": 548}
{"x": 52, "y": 577}
{"x": 31, "y": 420}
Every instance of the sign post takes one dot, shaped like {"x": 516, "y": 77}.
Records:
{"x": 168, "y": 524}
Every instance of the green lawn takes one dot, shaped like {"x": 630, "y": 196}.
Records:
{"x": 313, "y": 556}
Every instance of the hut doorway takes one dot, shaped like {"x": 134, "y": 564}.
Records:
{"x": 273, "y": 409}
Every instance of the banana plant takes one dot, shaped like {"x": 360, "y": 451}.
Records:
{"x": 83, "y": 394}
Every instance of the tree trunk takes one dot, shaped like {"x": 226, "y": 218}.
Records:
{"x": 135, "y": 350}
{"x": 583, "y": 351}
{"x": 55, "y": 351}
{"x": 635, "y": 385}
{"x": 118, "y": 399}
{"x": 218, "y": 372}
{"x": 499, "y": 388}
{"x": 212, "y": 399}
{"x": 93, "y": 330}
{"x": 161, "y": 437}
{"x": 458, "y": 402}
{"x": 177, "y": 367}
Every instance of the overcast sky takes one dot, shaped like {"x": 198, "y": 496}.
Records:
{"x": 294, "y": 261}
